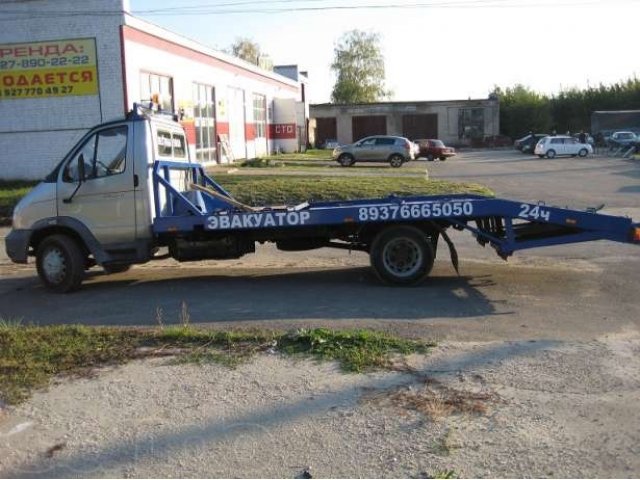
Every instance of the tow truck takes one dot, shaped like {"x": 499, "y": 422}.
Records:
{"x": 127, "y": 192}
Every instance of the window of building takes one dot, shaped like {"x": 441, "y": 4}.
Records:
{"x": 260, "y": 115}
{"x": 471, "y": 123}
{"x": 204, "y": 118}
{"x": 152, "y": 85}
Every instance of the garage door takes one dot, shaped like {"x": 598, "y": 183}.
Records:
{"x": 325, "y": 130}
{"x": 366, "y": 125}
{"x": 420, "y": 126}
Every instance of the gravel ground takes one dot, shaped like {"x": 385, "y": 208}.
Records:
{"x": 554, "y": 409}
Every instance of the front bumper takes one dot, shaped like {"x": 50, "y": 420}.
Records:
{"x": 17, "y": 245}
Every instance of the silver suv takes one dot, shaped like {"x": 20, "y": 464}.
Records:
{"x": 379, "y": 148}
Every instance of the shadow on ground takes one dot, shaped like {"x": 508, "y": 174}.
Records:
{"x": 216, "y": 295}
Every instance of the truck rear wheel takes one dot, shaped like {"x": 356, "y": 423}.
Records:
{"x": 60, "y": 263}
{"x": 401, "y": 255}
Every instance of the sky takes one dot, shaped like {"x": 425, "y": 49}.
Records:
{"x": 433, "y": 49}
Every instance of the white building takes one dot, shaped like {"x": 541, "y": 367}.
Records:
{"x": 67, "y": 65}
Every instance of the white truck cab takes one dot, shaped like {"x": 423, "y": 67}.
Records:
{"x": 96, "y": 206}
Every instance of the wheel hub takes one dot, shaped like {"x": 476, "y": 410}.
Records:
{"x": 54, "y": 265}
{"x": 402, "y": 257}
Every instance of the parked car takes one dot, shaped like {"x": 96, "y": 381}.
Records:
{"x": 379, "y": 148}
{"x": 590, "y": 140}
{"x": 623, "y": 139}
{"x": 528, "y": 143}
{"x": 416, "y": 149}
{"x": 551, "y": 147}
{"x": 432, "y": 148}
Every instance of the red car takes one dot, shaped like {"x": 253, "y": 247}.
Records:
{"x": 432, "y": 149}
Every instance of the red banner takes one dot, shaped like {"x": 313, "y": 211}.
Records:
{"x": 282, "y": 131}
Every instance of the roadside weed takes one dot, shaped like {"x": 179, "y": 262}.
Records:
{"x": 355, "y": 350}
{"x": 445, "y": 474}
{"x": 31, "y": 355}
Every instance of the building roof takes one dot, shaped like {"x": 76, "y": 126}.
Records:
{"x": 405, "y": 103}
{"x": 178, "y": 39}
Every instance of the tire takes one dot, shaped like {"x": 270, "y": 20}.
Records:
{"x": 442, "y": 159}
{"x": 551, "y": 153}
{"x": 583, "y": 152}
{"x": 346, "y": 160}
{"x": 396, "y": 160}
{"x": 401, "y": 255}
{"x": 60, "y": 263}
{"x": 116, "y": 268}
{"x": 430, "y": 157}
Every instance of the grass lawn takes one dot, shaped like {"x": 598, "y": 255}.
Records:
{"x": 288, "y": 189}
{"x": 30, "y": 356}
{"x": 311, "y": 154}
{"x": 310, "y": 158}
{"x": 10, "y": 192}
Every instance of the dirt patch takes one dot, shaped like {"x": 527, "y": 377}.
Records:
{"x": 436, "y": 401}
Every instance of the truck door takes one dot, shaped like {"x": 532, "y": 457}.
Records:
{"x": 105, "y": 201}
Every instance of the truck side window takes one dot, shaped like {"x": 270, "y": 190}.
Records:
{"x": 104, "y": 154}
{"x": 70, "y": 173}
{"x": 111, "y": 152}
{"x": 171, "y": 145}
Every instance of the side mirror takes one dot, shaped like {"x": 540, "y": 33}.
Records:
{"x": 81, "y": 172}
{"x": 81, "y": 178}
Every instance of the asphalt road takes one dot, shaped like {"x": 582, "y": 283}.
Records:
{"x": 575, "y": 292}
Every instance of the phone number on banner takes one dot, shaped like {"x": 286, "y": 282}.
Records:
{"x": 415, "y": 210}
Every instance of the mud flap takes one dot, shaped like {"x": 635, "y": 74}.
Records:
{"x": 452, "y": 248}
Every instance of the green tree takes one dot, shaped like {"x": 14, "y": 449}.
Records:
{"x": 359, "y": 69}
{"x": 522, "y": 110}
{"x": 246, "y": 49}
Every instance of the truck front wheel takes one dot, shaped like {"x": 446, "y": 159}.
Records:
{"x": 402, "y": 255}
{"x": 60, "y": 263}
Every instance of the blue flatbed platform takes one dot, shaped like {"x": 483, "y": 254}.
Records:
{"x": 400, "y": 234}
{"x": 505, "y": 224}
